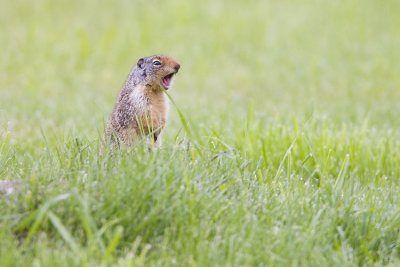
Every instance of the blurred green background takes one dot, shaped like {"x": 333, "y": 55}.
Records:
{"x": 63, "y": 63}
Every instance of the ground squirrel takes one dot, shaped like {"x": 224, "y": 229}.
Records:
{"x": 142, "y": 106}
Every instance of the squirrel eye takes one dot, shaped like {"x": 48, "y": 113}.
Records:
{"x": 156, "y": 62}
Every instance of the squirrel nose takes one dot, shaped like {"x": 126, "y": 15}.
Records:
{"x": 177, "y": 67}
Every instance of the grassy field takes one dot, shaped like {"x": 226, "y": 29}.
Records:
{"x": 282, "y": 147}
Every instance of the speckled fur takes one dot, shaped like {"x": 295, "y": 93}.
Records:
{"x": 142, "y": 107}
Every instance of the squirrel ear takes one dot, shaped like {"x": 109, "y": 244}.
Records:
{"x": 140, "y": 62}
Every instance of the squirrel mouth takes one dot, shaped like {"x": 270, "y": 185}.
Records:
{"x": 166, "y": 81}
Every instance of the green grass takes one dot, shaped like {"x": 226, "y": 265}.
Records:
{"x": 282, "y": 147}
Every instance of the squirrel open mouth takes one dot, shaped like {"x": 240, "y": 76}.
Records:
{"x": 166, "y": 81}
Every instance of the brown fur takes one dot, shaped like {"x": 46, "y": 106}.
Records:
{"x": 142, "y": 107}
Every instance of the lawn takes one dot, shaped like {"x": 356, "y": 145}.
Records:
{"x": 282, "y": 146}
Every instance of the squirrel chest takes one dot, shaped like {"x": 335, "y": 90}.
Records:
{"x": 150, "y": 109}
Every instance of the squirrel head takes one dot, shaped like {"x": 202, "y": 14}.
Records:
{"x": 157, "y": 71}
